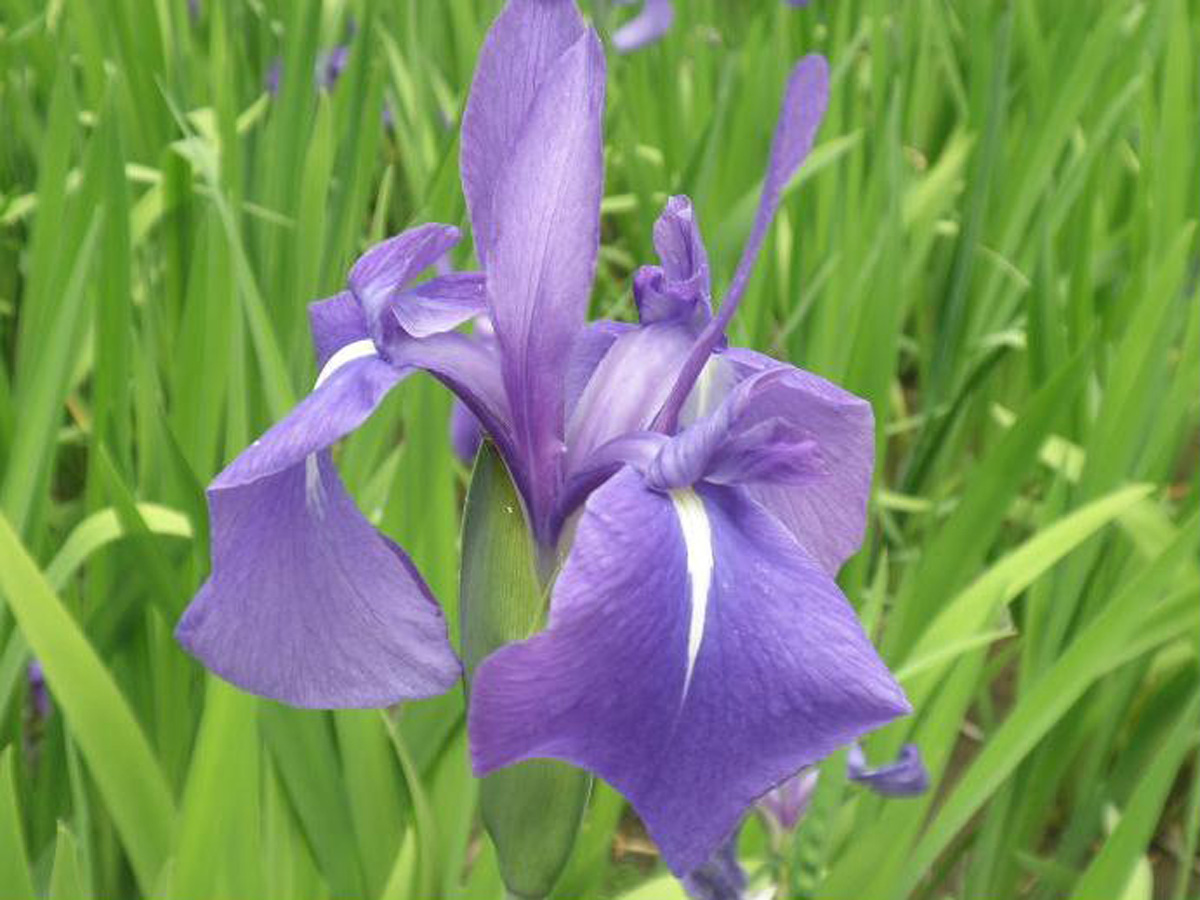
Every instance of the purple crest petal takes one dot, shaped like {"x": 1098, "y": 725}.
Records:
{"x": 651, "y": 23}
{"x": 379, "y": 274}
{"x": 906, "y": 777}
{"x": 521, "y": 47}
{"x": 804, "y": 102}
{"x": 547, "y": 225}
{"x": 307, "y": 602}
{"x": 721, "y": 878}
{"x": 692, "y": 733}
{"x": 441, "y": 304}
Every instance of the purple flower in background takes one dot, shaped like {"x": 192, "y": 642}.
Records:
{"x": 39, "y": 694}
{"x": 700, "y": 498}
{"x": 652, "y": 22}
{"x": 327, "y": 70}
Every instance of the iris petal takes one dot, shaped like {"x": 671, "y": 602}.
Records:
{"x": 540, "y": 269}
{"x": 307, "y": 602}
{"x": 783, "y": 676}
{"x": 515, "y": 61}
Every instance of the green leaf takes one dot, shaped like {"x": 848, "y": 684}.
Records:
{"x": 14, "y": 869}
{"x": 116, "y": 751}
{"x": 66, "y": 883}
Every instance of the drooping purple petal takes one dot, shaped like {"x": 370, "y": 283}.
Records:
{"x": 721, "y": 878}
{"x": 540, "y": 268}
{"x": 651, "y": 23}
{"x": 804, "y": 102}
{"x": 307, "y": 603}
{"x": 905, "y": 777}
{"x": 695, "y": 657}
{"x": 789, "y": 801}
{"x": 521, "y": 48}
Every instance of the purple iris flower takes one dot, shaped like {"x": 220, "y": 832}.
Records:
{"x": 696, "y": 500}
{"x": 906, "y": 776}
{"x": 652, "y": 22}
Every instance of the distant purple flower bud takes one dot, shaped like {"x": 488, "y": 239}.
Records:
{"x": 194, "y": 10}
{"x": 721, "y": 878}
{"x": 788, "y": 802}
{"x": 906, "y": 777}
{"x": 39, "y": 694}
{"x": 330, "y": 66}
{"x": 274, "y": 75}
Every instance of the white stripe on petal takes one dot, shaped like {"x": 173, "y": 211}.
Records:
{"x": 352, "y": 351}
{"x": 697, "y": 541}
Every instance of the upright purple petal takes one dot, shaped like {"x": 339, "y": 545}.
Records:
{"x": 649, "y": 25}
{"x": 695, "y": 657}
{"x": 627, "y": 387}
{"x": 804, "y": 102}
{"x": 905, "y": 777}
{"x": 307, "y": 603}
{"x": 539, "y": 271}
{"x": 521, "y": 48}
{"x": 679, "y": 289}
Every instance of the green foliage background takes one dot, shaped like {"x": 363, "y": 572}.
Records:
{"x": 994, "y": 242}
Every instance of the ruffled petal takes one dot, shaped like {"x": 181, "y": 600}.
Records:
{"x": 695, "y": 657}
{"x": 540, "y": 269}
{"x": 521, "y": 48}
{"x": 651, "y": 23}
{"x": 828, "y": 514}
{"x": 307, "y": 602}
{"x": 762, "y": 432}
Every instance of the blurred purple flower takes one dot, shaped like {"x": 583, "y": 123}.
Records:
{"x": 698, "y": 649}
{"x": 652, "y": 22}
{"x": 39, "y": 694}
